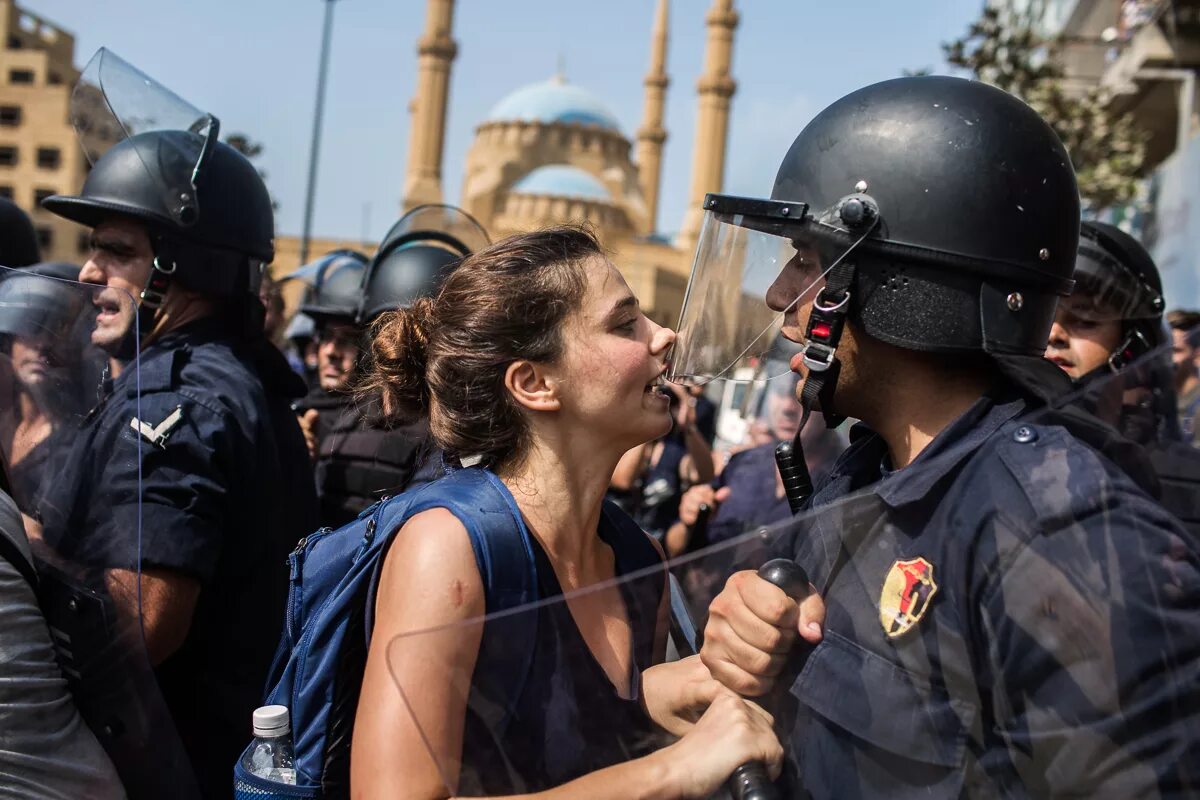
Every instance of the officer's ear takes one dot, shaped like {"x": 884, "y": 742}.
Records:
{"x": 532, "y": 386}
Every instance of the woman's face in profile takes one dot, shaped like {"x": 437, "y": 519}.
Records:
{"x": 613, "y": 362}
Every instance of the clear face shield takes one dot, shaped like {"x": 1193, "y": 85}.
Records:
{"x": 756, "y": 262}
{"x": 444, "y": 225}
{"x": 115, "y": 101}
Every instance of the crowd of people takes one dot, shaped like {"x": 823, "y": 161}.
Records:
{"x": 484, "y": 498}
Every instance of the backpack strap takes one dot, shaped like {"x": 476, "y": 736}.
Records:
{"x": 507, "y": 568}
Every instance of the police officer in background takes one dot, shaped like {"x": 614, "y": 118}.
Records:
{"x": 332, "y": 307}
{"x": 1109, "y": 337}
{"x": 358, "y": 458}
{"x": 1002, "y": 612}
{"x": 183, "y": 223}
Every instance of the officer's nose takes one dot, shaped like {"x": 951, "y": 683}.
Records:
{"x": 1058, "y": 335}
{"x": 90, "y": 272}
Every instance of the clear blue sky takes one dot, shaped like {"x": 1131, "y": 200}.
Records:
{"x": 254, "y": 62}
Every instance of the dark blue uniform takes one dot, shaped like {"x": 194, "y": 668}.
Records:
{"x": 226, "y": 492}
{"x": 1008, "y": 616}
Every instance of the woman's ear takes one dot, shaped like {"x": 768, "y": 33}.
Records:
{"x": 531, "y": 386}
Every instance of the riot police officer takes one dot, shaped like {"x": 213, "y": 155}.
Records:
{"x": 184, "y": 224}
{"x": 358, "y": 458}
{"x": 1003, "y": 613}
{"x": 1113, "y": 323}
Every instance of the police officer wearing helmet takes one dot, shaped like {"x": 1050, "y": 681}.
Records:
{"x": 184, "y": 224}
{"x": 44, "y": 374}
{"x": 1113, "y": 323}
{"x": 330, "y": 306}
{"x": 997, "y": 615}
{"x": 358, "y": 458}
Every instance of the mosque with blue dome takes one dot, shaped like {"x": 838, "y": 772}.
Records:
{"x": 552, "y": 152}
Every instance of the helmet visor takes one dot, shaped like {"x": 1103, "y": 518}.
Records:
{"x": 1106, "y": 290}
{"x": 756, "y": 262}
{"x": 114, "y": 101}
{"x": 445, "y": 225}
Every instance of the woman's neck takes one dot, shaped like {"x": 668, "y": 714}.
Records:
{"x": 560, "y": 490}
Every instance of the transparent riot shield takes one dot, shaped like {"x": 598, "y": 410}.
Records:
{"x": 1014, "y": 613}
{"x": 74, "y": 473}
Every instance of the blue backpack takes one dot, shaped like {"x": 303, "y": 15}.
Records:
{"x": 319, "y": 666}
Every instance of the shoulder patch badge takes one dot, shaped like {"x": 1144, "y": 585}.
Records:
{"x": 157, "y": 434}
{"x": 907, "y": 591}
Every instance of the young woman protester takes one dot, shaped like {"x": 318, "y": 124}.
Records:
{"x": 535, "y": 362}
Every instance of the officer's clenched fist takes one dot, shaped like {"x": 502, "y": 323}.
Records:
{"x": 752, "y": 626}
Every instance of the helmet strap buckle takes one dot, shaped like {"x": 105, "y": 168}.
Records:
{"x": 826, "y": 321}
{"x": 1134, "y": 345}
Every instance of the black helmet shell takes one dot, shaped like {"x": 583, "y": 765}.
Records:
{"x": 38, "y": 302}
{"x": 403, "y": 275}
{"x": 337, "y": 293}
{"x": 143, "y": 176}
{"x": 18, "y": 242}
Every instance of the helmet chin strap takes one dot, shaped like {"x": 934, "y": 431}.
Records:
{"x": 825, "y": 325}
{"x": 150, "y": 302}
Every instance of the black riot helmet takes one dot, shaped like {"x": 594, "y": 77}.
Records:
{"x": 18, "y": 240}
{"x": 1117, "y": 280}
{"x": 42, "y": 301}
{"x": 336, "y": 292}
{"x": 158, "y": 160}
{"x": 211, "y": 242}
{"x": 416, "y": 255}
{"x": 942, "y": 213}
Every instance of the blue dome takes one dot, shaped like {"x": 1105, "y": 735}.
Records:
{"x": 562, "y": 180}
{"x": 554, "y": 100}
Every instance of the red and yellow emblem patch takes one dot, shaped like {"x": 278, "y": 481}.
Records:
{"x": 907, "y": 591}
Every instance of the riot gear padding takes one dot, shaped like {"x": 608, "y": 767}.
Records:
{"x": 337, "y": 290}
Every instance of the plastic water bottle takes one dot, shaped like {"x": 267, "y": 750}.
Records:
{"x": 271, "y": 756}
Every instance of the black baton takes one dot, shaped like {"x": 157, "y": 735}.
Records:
{"x": 751, "y": 781}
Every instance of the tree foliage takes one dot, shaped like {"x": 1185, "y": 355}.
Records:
{"x": 251, "y": 150}
{"x": 1005, "y": 48}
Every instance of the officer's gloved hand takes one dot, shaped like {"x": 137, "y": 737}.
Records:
{"x": 752, "y": 627}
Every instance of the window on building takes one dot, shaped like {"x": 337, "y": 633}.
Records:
{"x": 53, "y": 78}
{"x": 49, "y": 157}
{"x": 83, "y": 243}
{"x": 10, "y": 116}
{"x": 45, "y": 238}
{"x": 14, "y": 42}
{"x": 20, "y": 76}
{"x": 6, "y": 192}
{"x": 41, "y": 194}
{"x": 8, "y": 156}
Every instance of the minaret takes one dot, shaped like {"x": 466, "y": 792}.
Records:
{"x": 427, "y": 135}
{"x": 716, "y": 88}
{"x": 652, "y": 135}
